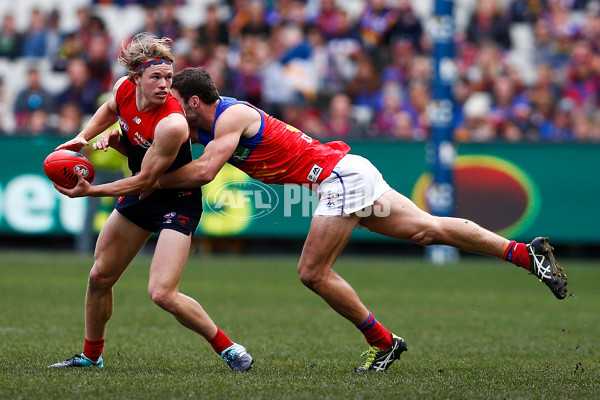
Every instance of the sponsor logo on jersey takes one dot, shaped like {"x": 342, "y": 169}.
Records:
{"x": 140, "y": 141}
{"x": 137, "y": 120}
{"x": 315, "y": 171}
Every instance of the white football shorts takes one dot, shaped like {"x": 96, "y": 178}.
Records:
{"x": 354, "y": 184}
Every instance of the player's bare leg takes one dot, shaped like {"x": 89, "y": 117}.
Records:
{"x": 327, "y": 237}
{"x": 169, "y": 260}
{"x": 168, "y": 263}
{"x": 408, "y": 222}
{"x": 118, "y": 243}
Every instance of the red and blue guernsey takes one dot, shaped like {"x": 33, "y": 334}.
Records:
{"x": 280, "y": 153}
{"x": 138, "y": 127}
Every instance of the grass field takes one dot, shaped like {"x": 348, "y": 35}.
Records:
{"x": 479, "y": 329}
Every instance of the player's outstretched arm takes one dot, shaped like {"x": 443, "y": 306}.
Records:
{"x": 204, "y": 169}
{"x": 200, "y": 171}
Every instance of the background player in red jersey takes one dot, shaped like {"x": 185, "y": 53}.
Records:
{"x": 155, "y": 138}
{"x": 351, "y": 192}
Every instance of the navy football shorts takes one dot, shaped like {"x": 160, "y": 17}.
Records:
{"x": 177, "y": 209}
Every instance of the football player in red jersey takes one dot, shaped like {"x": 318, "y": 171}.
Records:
{"x": 155, "y": 138}
{"x": 352, "y": 193}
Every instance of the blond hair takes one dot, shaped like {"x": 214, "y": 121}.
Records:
{"x": 144, "y": 47}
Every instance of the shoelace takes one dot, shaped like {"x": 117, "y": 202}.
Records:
{"x": 371, "y": 353}
{"x": 538, "y": 268}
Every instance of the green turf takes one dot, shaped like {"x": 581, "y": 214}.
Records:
{"x": 479, "y": 329}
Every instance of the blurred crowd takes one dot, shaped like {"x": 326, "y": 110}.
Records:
{"x": 526, "y": 70}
